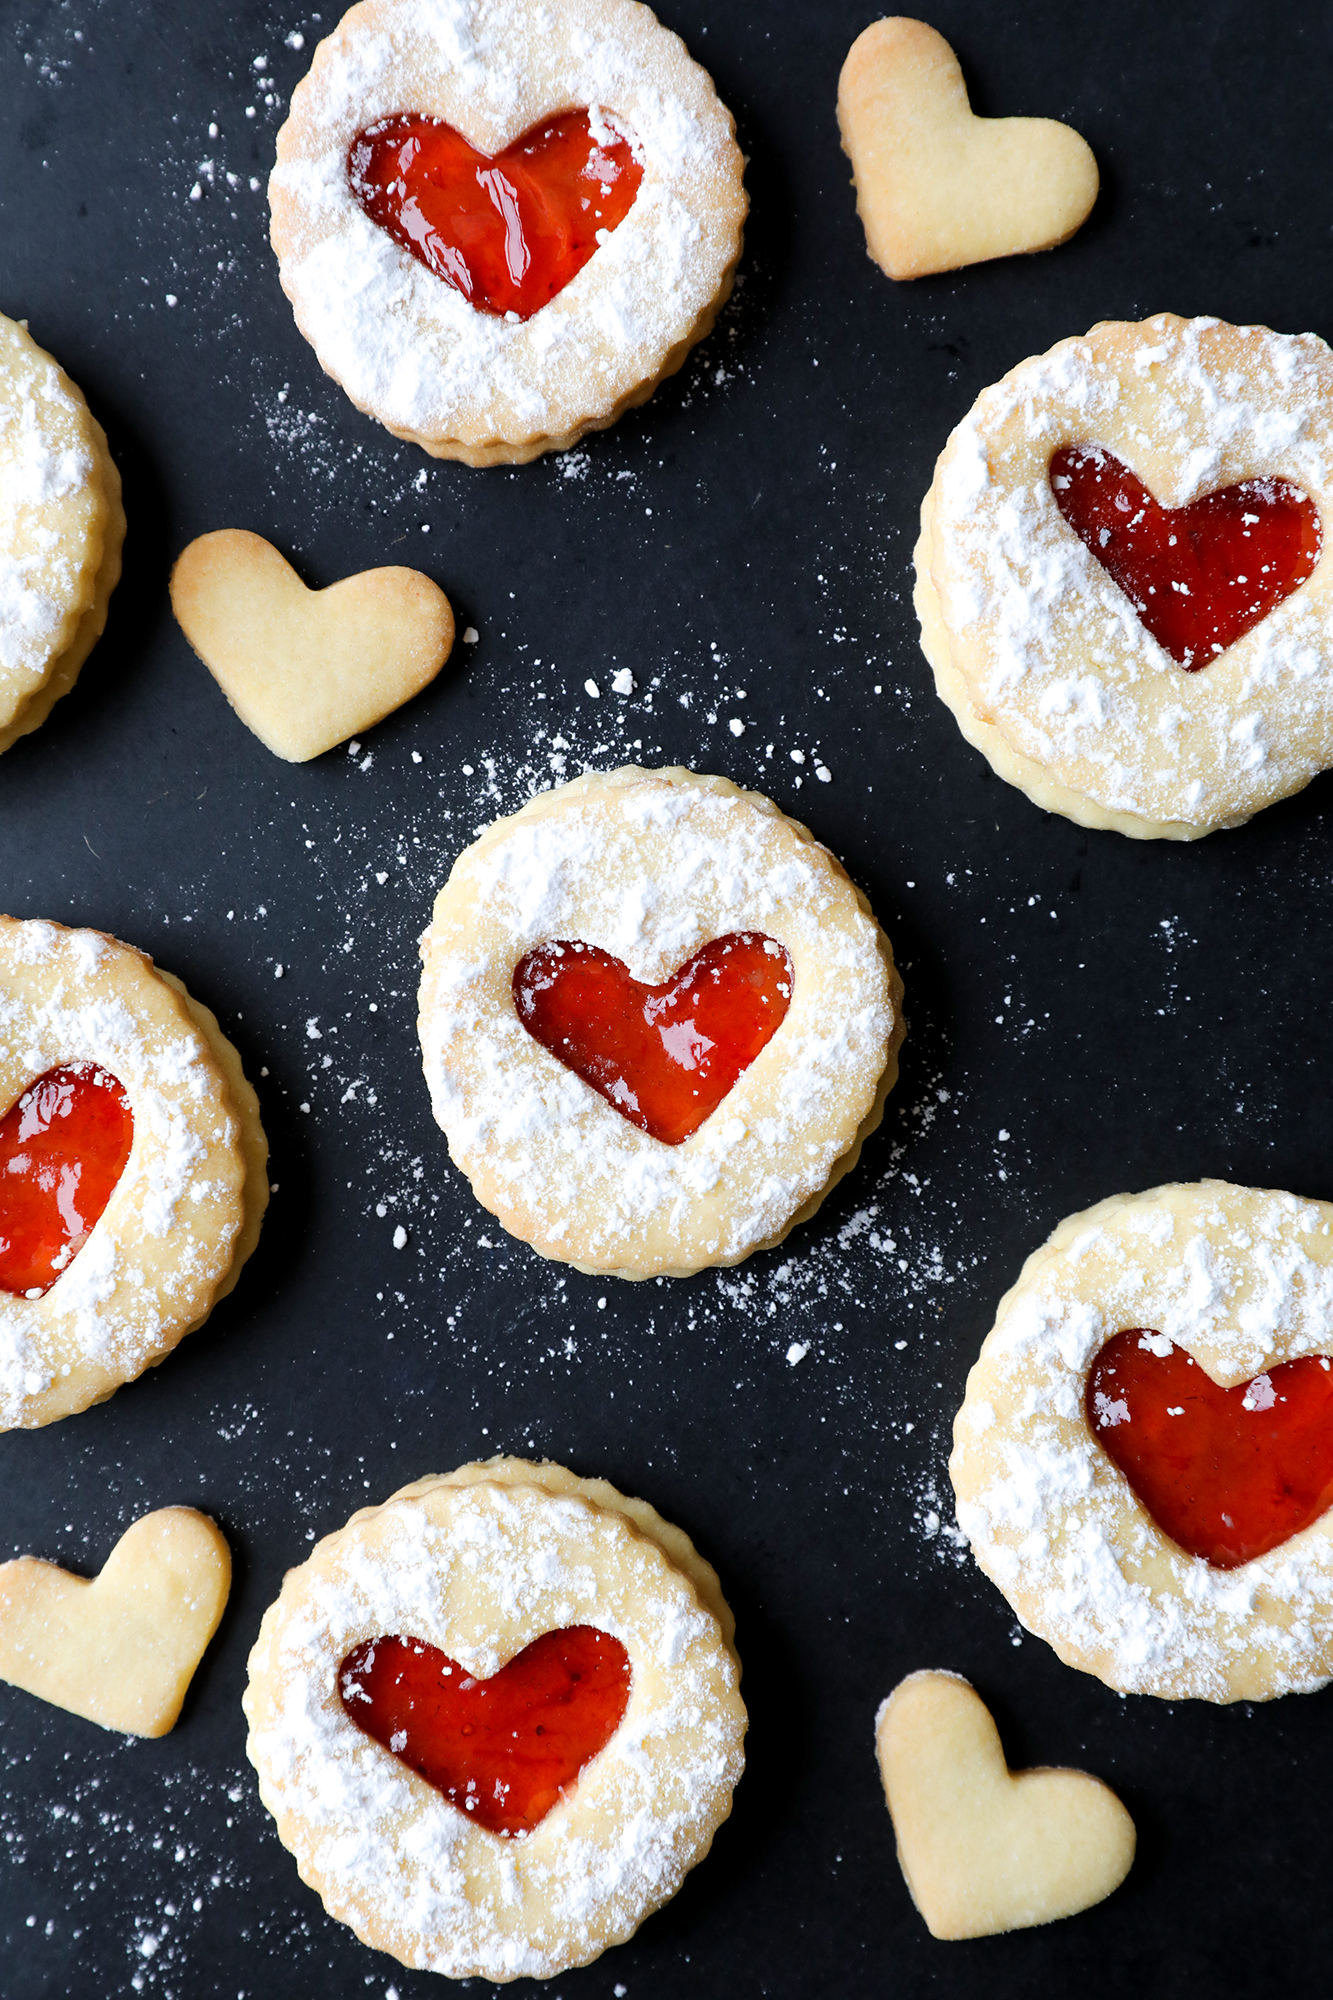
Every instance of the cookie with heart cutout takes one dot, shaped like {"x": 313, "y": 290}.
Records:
{"x": 61, "y": 530}
{"x": 132, "y": 1167}
{"x": 1143, "y": 1461}
{"x": 501, "y": 223}
{"x": 984, "y": 1849}
{"x": 937, "y": 187}
{"x": 657, "y": 1021}
{"x": 120, "y": 1649}
{"x": 497, "y": 1719}
{"x": 1120, "y": 581}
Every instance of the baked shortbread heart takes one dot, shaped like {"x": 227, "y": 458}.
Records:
{"x": 61, "y": 530}
{"x": 937, "y": 187}
{"x": 1040, "y": 652}
{"x": 481, "y": 1569}
{"x": 419, "y": 340}
{"x": 1164, "y": 1538}
{"x": 552, "y": 1119}
{"x": 306, "y": 669}
{"x": 983, "y": 1848}
{"x": 134, "y": 1180}
{"x": 119, "y": 1649}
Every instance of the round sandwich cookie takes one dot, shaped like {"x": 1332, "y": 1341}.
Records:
{"x": 497, "y": 1719}
{"x": 657, "y": 1020}
{"x": 1120, "y": 575}
{"x": 1143, "y": 1461}
{"x": 132, "y": 1167}
{"x": 501, "y": 223}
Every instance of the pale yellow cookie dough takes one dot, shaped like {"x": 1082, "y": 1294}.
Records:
{"x": 982, "y": 1848}
{"x": 408, "y": 348}
{"x": 937, "y": 187}
{"x": 306, "y": 669}
{"x": 1242, "y": 1279}
{"x": 61, "y": 530}
{"x": 1043, "y": 659}
{"x": 480, "y": 1563}
{"x": 187, "y": 1209}
{"x": 651, "y": 865}
{"x": 119, "y": 1649}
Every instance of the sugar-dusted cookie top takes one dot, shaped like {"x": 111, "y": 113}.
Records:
{"x": 411, "y": 337}
{"x": 1125, "y": 1328}
{"x": 133, "y": 1181}
{"x": 1043, "y": 655}
{"x": 428, "y": 1832}
{"x": 652, "y": 881}
{"x": 61, "y": 529}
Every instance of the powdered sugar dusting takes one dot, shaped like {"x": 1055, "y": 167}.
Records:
{"x": 1054, "y": 654}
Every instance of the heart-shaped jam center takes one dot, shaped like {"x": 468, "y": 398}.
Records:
{"x": 507, "y": 231}
{"x": 1199, "y": 576}
{"x": 664, "y": 1056}
{"x": 1227, "y": 1473}
{"x": 63, "y": 1147}
{"x": 503, "y": 1750}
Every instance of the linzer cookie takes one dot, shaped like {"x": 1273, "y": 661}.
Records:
{"x": 1144, "y": 1458}
{"x": 498, "y": 1719}
{"x": 132, "y": 1168}
{"x": 61, "y": 530}
{"x": 657, "y": 1022}
{"x": 501, "y": 223}
{"x": 1120, "y": 578}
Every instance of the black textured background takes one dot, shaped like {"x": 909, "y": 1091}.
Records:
{"x": 1087, "y": 1013}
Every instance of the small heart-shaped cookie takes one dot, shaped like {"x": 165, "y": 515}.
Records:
{"x": 984, "y": 1849}
{"x": 937, "y": 187}
{"x": 121, "y": 1648}
{"x": 305, "y": 669}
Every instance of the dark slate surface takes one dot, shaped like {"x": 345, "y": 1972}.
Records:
{"x": 1126, "y": 1013}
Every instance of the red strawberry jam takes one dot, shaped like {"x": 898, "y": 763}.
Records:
{"x": 503, "y": 1750}
{"x": 1199, "y": 576}
{"x": 1227, "y": 1473}
{"x": 63, "y": 1147}
{"x": 508, "y": 231}
{"x": 664, "y": 1056}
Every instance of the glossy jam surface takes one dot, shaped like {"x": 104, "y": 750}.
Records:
{"x": 664, "y": 1056}
{"x": 503, "y": 1750}
{"x": 63, "y": 1147}
{"x": 1199, "y": 576}
{"x": 1227, "y": 1473}
{"x": 508, "y": 232}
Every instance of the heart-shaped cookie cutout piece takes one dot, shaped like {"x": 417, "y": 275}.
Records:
{"x": 508, "y": 230}
{"x": 305, "y": 669}
{"x": 119, "y": 1649}
{"x": 503, "y": 1750}
{"x": 937, "y": 187}
{"x": 1228, "y": 1474}
{"x": 982, "y": 1848}
{"x": 663, "y": 1056}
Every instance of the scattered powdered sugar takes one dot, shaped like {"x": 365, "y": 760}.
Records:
{"x": 1053, "y": 651}
{"x": 410, "y": 347}
{"x": 479, "y": 1572}
{"x": 1240, "y": 1278}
